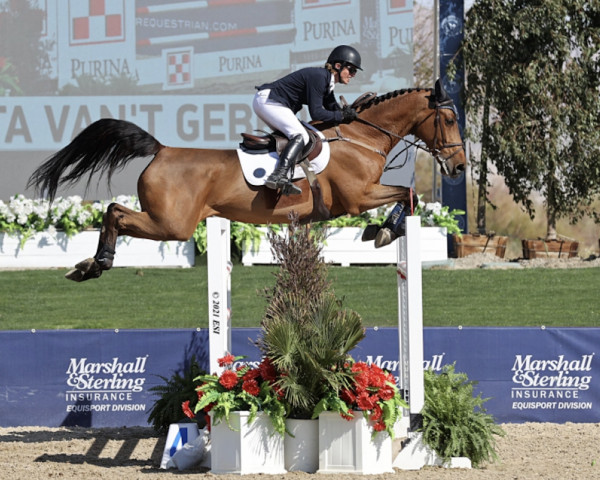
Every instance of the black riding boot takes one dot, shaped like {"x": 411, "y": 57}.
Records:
{"x": 287, "y": 160}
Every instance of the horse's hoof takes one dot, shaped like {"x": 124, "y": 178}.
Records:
{"x": 370, "y": 233}
{"x": 384, "y": 237}
{"x": 84, "y": 271}
{"x": 75, "y": 275}
{"x": 85, "y": 265}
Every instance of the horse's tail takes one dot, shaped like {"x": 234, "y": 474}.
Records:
{"x": 106, "y": 145}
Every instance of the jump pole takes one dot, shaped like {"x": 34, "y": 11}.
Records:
{"x": 410, "y": 343}
{"x": 219, "y": 289}
{"x": 410, "y": 320}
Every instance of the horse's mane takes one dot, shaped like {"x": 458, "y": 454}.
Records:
{"x": 387, "y": 96}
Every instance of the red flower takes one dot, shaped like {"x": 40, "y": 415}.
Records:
{"x": 376, "y": 413}
{"x": 348, "y": 396}
{"x": 347, "y": 417}
{"x": 364, "y": 401}
{"x": 228, "y": 379}
{"x": 251, "y": 374}
{"x": 226, "y": 360}
{"x": 386, "y": 392}
{"x": 377, "y": 376}
{"x": 187, "y": 410}
{"x": 379, "y": 427}
{"x": 361, "y": 377}
{"x": 267, "y": 370}
{"x": 251, "y": 386}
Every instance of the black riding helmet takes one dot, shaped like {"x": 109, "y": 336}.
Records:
{"x": 346, "y": 55}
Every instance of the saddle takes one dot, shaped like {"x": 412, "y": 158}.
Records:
{"x": 276, "y": 142}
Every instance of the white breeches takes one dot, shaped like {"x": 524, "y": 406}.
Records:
{"x": 278, "y": 116}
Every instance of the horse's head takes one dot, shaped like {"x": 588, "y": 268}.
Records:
{"x": 429, "y": 114}
{"x": 440, "y": 132}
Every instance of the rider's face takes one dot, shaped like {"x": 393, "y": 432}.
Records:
{"x": 346, "y": 74}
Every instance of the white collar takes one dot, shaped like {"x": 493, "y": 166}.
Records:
{"x": 331, "y": 83}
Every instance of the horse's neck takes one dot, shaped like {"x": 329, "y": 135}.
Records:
{"x": 387, "y": 122}
{"x": 398, "y": 115}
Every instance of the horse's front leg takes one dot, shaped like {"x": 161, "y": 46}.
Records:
{"x": 394, "y": 225}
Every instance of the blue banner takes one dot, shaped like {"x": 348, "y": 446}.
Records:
{"x": 102, "y": 378}
{"x": 454, "y": 190}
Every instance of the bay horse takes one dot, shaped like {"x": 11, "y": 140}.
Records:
{"x": 180, "y": 187}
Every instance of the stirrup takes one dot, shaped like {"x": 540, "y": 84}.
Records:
{"x": 290, "y": 189}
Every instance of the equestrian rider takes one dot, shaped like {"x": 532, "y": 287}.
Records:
{"x": 277, "y": 103}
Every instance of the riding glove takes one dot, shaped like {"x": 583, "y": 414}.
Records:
{"x": 348, "y": 114}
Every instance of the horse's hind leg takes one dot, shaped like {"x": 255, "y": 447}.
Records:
{"x": 103, "y": 259}
{"x": 119, "y": 220}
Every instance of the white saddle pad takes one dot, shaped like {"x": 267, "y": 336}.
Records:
{"x": 257, "y": 167}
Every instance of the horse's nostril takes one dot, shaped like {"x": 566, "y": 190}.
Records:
{"x": 460, "y": 168}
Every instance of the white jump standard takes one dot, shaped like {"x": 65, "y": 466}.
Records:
{"x": 219, "y": 290}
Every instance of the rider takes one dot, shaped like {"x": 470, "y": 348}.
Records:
{"x": 277, "y": 103}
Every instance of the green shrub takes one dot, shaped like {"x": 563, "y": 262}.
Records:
{"x": 176, "y": 390}
{"x": 455, "y": 424}
{"x": 306, "y": 332}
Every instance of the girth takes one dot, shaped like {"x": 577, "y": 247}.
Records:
{"x": 276, "y": 142}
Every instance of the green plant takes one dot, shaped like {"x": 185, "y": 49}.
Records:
{"x": 309, "y": 346}
{"x": 9, "y": 82}
{"x": 251, "y": 389}
{"x": 176, "y": 390}
{"x": 455, "y": 423}
{"x": 434, "y": 215}
{"x": 306, "y": 332}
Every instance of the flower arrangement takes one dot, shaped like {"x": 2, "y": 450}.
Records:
{"x": 244, "y": 388}
{"x": 434, "y": 215}
{"x": 23, "y": 216}
{"x": 374, "y": 392}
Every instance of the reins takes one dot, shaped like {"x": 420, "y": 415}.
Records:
{"x": 341, "y": 138}
{"x": 435, "y": 152}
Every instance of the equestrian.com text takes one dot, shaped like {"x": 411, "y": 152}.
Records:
{"x": 49, "y": 123}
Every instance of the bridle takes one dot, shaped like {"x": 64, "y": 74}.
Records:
{"x": 435, "y": 152}
{"x": 438, "y": 126}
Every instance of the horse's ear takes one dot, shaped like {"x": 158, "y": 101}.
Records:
{"x": 440, "y": 92}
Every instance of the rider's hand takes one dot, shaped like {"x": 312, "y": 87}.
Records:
{"x": 348, "y": 114}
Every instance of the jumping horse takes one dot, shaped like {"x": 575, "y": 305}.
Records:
{"x": 180, "y": 187}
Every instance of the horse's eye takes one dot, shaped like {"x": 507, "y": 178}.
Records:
{"x": 450, "y": 122}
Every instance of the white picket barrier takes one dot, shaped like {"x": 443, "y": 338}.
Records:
{"x": 410, "y": 318}
{"x": 219, "y": 289}
{"x": 415, "y": 454}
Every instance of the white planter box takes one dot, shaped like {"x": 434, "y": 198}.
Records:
{"x": 345, "y": 247}
{"x": 434, "y": 244}
{"x": 45, "y": 251}
{"x": 302, "y": 450}
{"x": 346, "y": 446}
{"x": 254, "y": 448}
